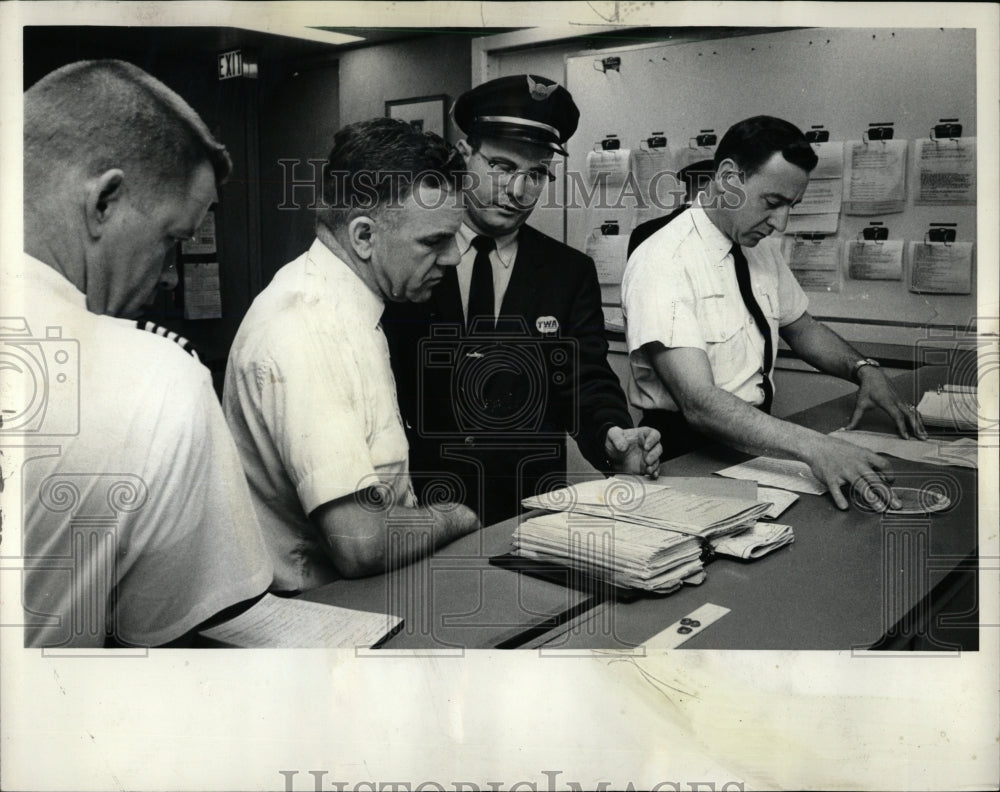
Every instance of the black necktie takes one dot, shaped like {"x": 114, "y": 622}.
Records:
{"x": 481, "y": 301}
{"x": 743, "y": 279}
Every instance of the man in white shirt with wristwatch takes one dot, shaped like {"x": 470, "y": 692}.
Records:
{"x": 704, "y": 297}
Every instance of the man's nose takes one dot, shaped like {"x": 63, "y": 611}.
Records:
{"x": 778, "y": 218}
{"x": 516, "y": 186}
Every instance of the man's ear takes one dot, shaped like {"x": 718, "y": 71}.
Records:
{"x": 728, "y": 175}
{"x": 103, "y": 198}
{"x": 464, "y": 148}
{"x": 359, "y": 232}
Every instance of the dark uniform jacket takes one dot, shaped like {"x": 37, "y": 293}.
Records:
{"x": 486, "y": 414}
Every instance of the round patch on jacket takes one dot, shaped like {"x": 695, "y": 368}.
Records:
{"x": 547, "y": 325}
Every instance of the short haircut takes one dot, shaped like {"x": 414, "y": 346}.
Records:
{"x": 376, "y": 164}
{"x": 752, "y": 142}
{"x": 104, "y": 114}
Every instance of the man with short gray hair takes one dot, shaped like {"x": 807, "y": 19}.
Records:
{"x": 309, "y": 392}
{"x": 139, "y": 527}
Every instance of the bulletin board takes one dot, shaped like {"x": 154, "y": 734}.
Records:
{"x": 840, "y": 79}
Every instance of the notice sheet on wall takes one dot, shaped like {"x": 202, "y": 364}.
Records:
{"x": 946, "y": 171}
{"x": 815, "y": 263}
{"x": 941, "y": 268}
{"x": 202, "y": 295}
{"x": 875, "y": 260}
{"x": 876, "y": 183}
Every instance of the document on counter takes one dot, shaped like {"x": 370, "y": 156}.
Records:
{"x": 876, "y": 183}
{"x": 941, "y": 268}
{"x": 931, "y": 452}
{"x": 868, "y": 260}
{"x": 946, "y": 171}
{"x": 778, "y": 498}
{"x": 283, "y": 623}
{"x": 609, "y": 254}
{"x": 962, "y": 453}
{"x": 951, "y": 406}
{"x": 787, "y": 474}
{"x": 761, "y": 539}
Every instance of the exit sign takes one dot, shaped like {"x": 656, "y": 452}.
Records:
{"x": 230, "y": 65}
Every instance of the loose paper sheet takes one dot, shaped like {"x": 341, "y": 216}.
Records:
{"x": 931, "y": 451}
{"x": 763, "y": 538}
{"x": 778, "y": 498}
{"x": 786, "y": 474}
{"x": 280, "y": 622}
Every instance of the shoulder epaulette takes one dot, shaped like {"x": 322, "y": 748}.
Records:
{"x": 181, "y": 341}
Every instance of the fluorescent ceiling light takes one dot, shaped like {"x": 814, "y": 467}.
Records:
{"x": 303, "y": 32}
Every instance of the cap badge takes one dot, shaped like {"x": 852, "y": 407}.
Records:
{"x": 538, "y": 91}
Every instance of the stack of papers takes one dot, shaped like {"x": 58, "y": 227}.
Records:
{"x": 623, "y": 554}
{"x": 955, "y": 407}
{"x": 656, "y": 505}
{"x": 639, "y": 534}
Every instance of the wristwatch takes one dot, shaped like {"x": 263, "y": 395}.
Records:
{"x": 860, "y": 365}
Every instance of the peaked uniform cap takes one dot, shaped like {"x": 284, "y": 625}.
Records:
{"x": 522, "y": 107}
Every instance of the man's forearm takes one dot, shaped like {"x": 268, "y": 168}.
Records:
{"x": 362, "y": 539}
{"x": 820, "y": 347}
{"x": 730, "y": 420}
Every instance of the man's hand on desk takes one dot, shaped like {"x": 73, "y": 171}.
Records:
{"x": 836, "y": 463}
{"x": 634, "y": 450}
{"x": 876, "y": 390}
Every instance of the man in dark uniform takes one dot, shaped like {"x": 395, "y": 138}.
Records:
{"x": 509, "y": 355}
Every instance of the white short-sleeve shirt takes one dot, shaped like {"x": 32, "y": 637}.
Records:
{"x": 680, "y": 289}
{"x": 311, "y": 401}
{"x": 138, "y": 523}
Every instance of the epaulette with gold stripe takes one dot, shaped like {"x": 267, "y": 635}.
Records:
{"x": 181, "y": 341}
